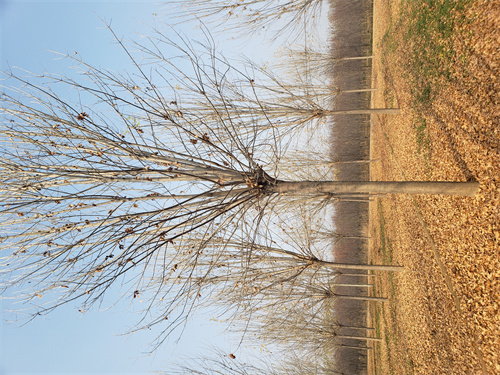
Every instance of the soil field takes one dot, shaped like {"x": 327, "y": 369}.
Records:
{"x": 438, "y": 61}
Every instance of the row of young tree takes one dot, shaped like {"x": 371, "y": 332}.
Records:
{"x": 168, "y": 181}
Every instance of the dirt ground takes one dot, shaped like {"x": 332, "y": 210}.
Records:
{"x": 444, "y": 314}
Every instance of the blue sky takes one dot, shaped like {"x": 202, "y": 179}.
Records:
{"x": 66, "y": 341}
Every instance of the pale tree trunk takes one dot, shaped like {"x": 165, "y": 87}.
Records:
{"x": 358, "y": 338}
{"x": 284, "y": 111}
{"x": 355, "y": 274}
{"x": 354, "y": 237}
{"x": 327, "y": 264}
{"x": 354, "y": 162}
{"x": 354, "y": 285}
{"x": 364, "y": 267}
{"x": 356, "y": 90}
{"x": 354, "y": 58}
{"x": 372, "y": 111}
{"x": 361, "y": 298}
{"x": 358, "y": 327}
{"x": 468, "y": 189}
{"x": 353, "y": 347}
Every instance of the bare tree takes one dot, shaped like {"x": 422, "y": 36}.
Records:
{"x": 109, "y": 182}
{"x": 320, "y": 62}
{"x": 297, "y": 363}
{"x": 221, "y": 363}
{"x": 236, "y": 278}
{"x": 253, "y": 274}
{"x": 311, "y": 325}
{"x": 284, "y": 19}
{"x": 289, "y": 103}
{"x": 324, "y": 234}
{"x": 266, "y": 288}
{"x": 302, "y": 165}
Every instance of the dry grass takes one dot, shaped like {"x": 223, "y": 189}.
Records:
{"x": 444, "y": 315}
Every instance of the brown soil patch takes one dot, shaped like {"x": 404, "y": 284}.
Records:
{"x": 444, "y": 314}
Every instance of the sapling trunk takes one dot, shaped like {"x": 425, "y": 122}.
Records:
{"x": 375, "y": 187}
{"x": 368, "y": 267}
{"x": 358, "y": 90}
{"x": 362, "y": 298}
{"x": 356, "y": 274}
{"x": 357, "y": 327}
{"x": 353, "y": 347}
{"x": 358, "y": 338}
{"x": 354, "y": 58}
{"x": 372, "y": 111}
{"x": 355, "y": 285}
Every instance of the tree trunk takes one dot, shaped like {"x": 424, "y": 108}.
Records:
{"x": 354, "y": 285}
{"x": 356, "y": 91}
{"x": 361, "y": 298}
{"x": 357, "y": 327}
{"x": 372, "y": 111}
{"x": 355, "y": 237}
{"x": 468, "y": 189}
{"x": 355, "y": 274}
{"x": 366, "y": 267}
{"x": 353, "y": 162}
{"x": 327, "y": 264}
{"x": 353, "y": 347}
{"x": 358, "y": 338}
{"x": 353, "y": 58}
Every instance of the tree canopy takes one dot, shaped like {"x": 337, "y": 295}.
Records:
{"x": 156, "y": 180}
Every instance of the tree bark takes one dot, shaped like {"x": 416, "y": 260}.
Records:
{"x": 361, "y": 298}
{"x": 357, "y": 327}
{"x": 354, "y": 347}
{"x": 358, "y": 338}
{"x": 324, "y": 263}
{"x": 366, "y": 267}
{"x": 355, "y": 285}
{"x": 468, "y": 189}
{"x": 358, "y": 90}
{"x": 355, "y": 274}
{"x": 353, "y": 58}
{"x": 372, "y": 111}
